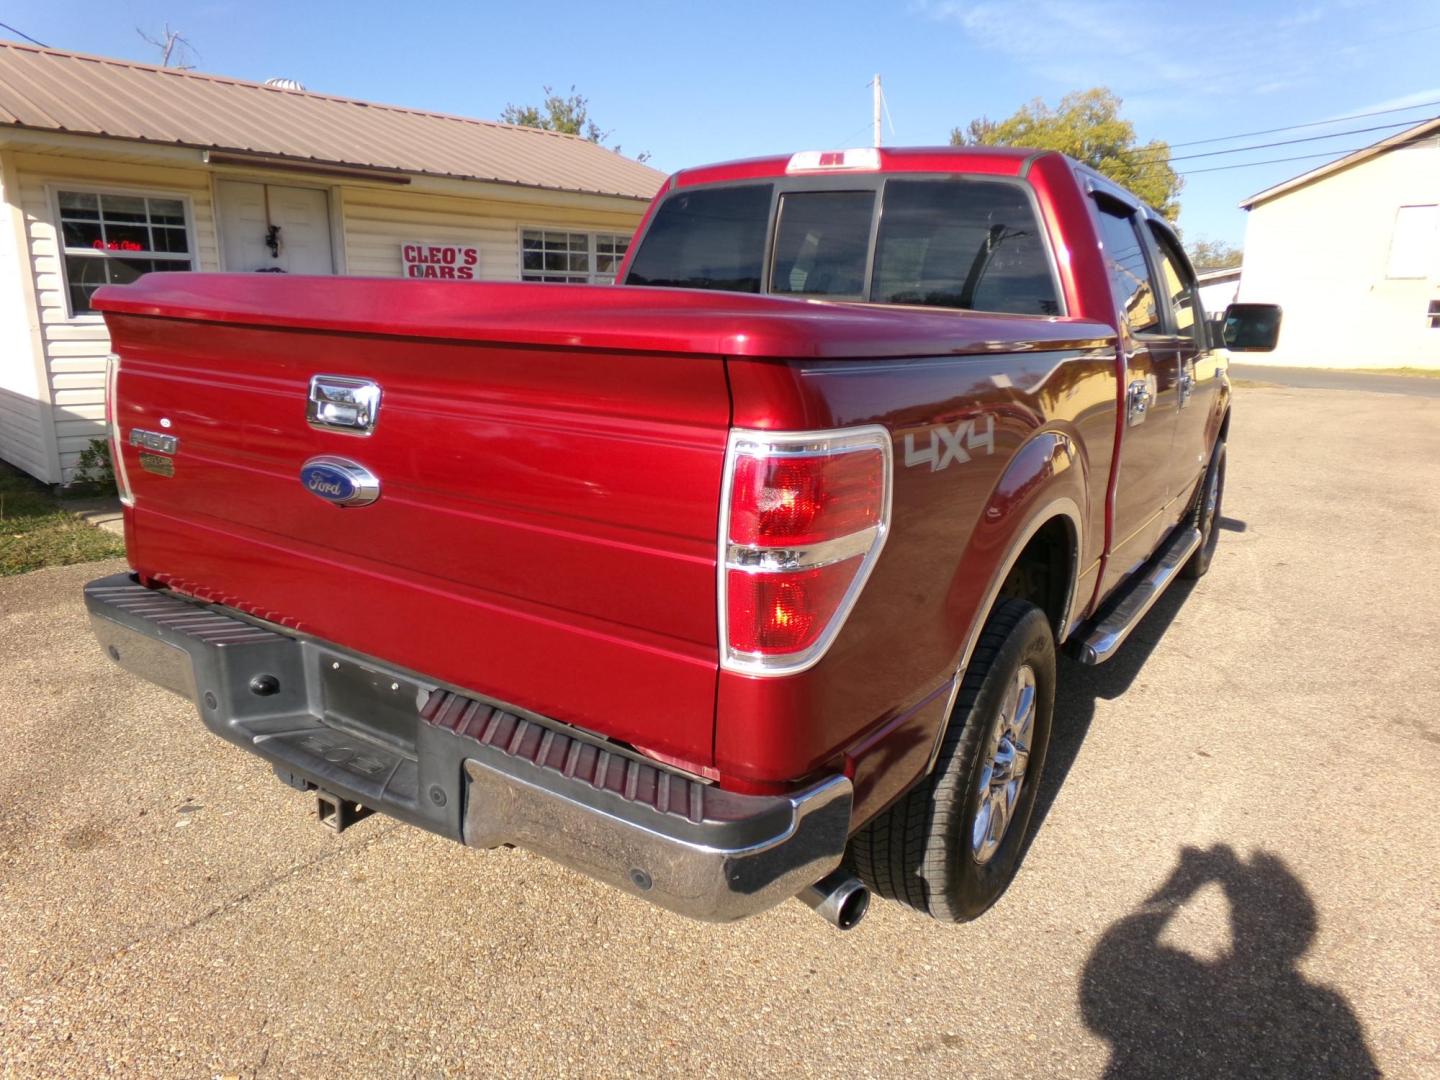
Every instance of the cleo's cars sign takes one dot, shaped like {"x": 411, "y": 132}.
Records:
{"x": 449, "y": 262}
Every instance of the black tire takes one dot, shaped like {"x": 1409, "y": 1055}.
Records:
{"x": 1205, "y": 515}
{"x": 921, "y": 850}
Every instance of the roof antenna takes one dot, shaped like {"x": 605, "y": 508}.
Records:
{"x": 168, "y": 46}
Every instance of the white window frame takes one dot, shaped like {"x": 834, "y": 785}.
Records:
{"x": 53, "y": 188}
{"x": 590, "y": 275}
{"x": 1415, "y": 243}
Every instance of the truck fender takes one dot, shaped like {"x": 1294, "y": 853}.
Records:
{"x": 1043, "y": 482}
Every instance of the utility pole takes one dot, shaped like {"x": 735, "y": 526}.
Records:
{"x": 876, "y": 106}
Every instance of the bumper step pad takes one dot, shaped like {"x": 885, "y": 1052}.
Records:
{"x": 360, "y": 732}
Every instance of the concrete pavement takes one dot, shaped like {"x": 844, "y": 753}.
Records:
{"x": 1236, "y": 872}
{"x": 1370, "y": 382}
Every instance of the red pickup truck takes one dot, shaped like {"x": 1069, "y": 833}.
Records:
{"x": 741, "y": 580}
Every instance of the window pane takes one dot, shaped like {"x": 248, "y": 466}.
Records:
{"x": 84, "y": 274}
{"x": 822, "y": 243}
{"x": 972, "y": 244}
{"x": 169, "y": 239}
{"x": 81, "y": 234}
{"x": 122, "y": 207}
{"x": 531, "y": 260}
{"x": 78, "y": 204}
{"x": 126, "y": 237}
{"x": 1129, "y": 274}
{"x": 1414, "y": 242}
{"x": 612, "y": 245}
{"x": 1178, "y": 286}
{"x": 167, "y": 212}
{"x": 124, "y": 271}
{"x": 706, "y": 239}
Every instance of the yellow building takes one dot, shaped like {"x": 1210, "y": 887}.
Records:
{"x": 110, "y": 169}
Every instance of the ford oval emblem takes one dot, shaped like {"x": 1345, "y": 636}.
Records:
{"x": 340, "y": 481}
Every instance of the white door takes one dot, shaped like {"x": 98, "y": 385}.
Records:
{"x": 271, "y": 227}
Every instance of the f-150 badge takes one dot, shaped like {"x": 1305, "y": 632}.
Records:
{"x": 340, "y": 481}
{"x": 949, "y": 444}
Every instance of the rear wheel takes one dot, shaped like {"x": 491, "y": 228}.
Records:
{"x": 1205, "y": 515}
{"x": 950, "y": 847}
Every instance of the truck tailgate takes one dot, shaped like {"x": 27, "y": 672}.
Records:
{"x": 545, "y": 530}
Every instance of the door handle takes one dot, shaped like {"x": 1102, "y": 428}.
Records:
{"x": 1187, "y": 387}
{"x": 1138, "y": 398}
{"x": 339, "y": 403}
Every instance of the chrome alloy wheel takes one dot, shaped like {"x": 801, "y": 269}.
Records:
{"x": 1007, "y": 758}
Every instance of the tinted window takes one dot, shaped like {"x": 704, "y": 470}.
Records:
{"x": 1179, "y": 283}
{"x": 962, "y": 244}
{"x": 1129, "y": 273}
{"x": 708, "y": 239}
{"x": 822, "y": 243}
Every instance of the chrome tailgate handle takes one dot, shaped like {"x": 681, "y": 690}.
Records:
{"x": 340, "y": 403}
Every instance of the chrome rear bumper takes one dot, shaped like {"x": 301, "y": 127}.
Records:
{"x": 475, "y": 771}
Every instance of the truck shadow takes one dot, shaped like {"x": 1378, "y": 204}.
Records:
{"x": 1248, "y": 1011}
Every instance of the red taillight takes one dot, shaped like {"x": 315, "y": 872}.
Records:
{"x": 805, "y": 518}
{"x": 799, "y": 500}
{"x": 785, "y": 612}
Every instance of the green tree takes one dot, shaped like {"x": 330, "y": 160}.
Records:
{"x": 1215, "y": 255}
{"x": 567, "y": 115}
{"x": 1088, "y": 126}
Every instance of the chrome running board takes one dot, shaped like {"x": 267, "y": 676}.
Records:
{"x": 1136, "y": 598}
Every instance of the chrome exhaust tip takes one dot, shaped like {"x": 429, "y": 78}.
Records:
{"x": 840, "y": 898}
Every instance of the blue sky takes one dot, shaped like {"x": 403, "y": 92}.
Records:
{"x": 701, "y": 82}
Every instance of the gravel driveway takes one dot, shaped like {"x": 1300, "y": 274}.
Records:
{"x": 1236, "y": 874}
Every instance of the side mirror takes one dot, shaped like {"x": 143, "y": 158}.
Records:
{"x": 1252, "y": 327}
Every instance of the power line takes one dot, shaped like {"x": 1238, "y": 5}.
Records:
{"x": 21, "y": 33}
{"x": 1272, "y": 161}
{"x": 1311, "y": 124}
{"x": 1280, "y": 142}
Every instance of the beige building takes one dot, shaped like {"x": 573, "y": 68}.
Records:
{"x": 110, "y": 169}
{"x": 1351, "y": 253}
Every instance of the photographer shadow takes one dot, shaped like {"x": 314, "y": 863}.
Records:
{"x": 1249, "y": 1011}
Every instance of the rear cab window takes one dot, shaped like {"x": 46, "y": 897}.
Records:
{"x": 958, "y": 243}
{"x": 1124, "y": 252}
{"x": 947, "y": 241}
{"x": 1179, "y": 288}
{"x": 708, "y": 238}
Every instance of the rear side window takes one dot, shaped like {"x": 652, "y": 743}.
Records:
{"x": 1179, "y": 284}
{"x": 1129, "y": 273}
{"x": 822, "y": 243}
{"x": 707, "y": 239}
{"x": 962, "y": 244}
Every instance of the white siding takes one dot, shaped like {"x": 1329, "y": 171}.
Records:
{"x": 374, "y": 222}
{"x": 1322, "y": 253}
{"x": 379, "y": 222}
{"x": 76, "y": 346}
{"x": 23, "y": 435}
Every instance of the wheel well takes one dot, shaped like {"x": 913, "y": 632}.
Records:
{"x": 1043, "y": 573}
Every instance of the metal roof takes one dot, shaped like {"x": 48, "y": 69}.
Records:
{"x": 52, "y": 90}
{"x": 1409, "y": 135}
